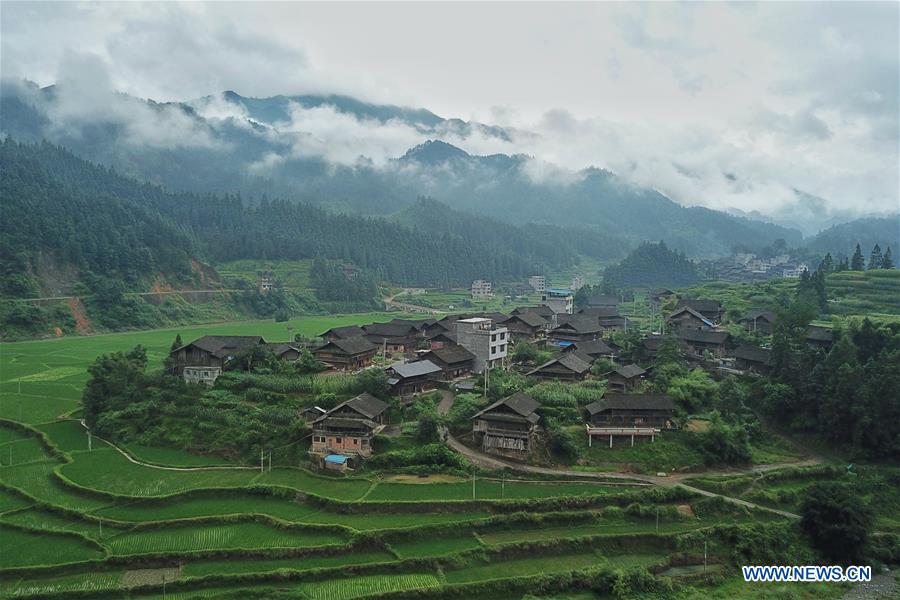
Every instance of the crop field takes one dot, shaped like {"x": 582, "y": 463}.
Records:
{"x": 217, "y": 536}
{"x": 85, "y": 519}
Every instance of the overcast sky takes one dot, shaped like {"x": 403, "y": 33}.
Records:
{"x": 726, "y": 105}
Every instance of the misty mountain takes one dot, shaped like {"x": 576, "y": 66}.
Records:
{"x": 841, "y": 240}
{"x": 275, "y": 147}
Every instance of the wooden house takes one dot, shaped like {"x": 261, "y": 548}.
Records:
{"x": 311, "y": 413}
{"x": 453, "y": 360}
{"x": 204, "y": 359}
{"x": 347, "y": 354}
{"x": 632, "y": 410}
{"x": 342, "y": 333}
{"x": 626, "y": 378}
{"x": 687, "y": 318}
{"x": 284, "y": 350}
{"x": 660, "y": 295}
{"x": 592, "y": 348}
{"x": 602, "y": 300}
{"x": 695, "y": 343}
{"x": 753, "y": 359}
{"x": 710, "y": 309}
{"x": 393, "y": 337}
{"x": 413, "y": 377}
{"x": 567, "y": 366}
{"x": 507, "y": 427}
{"x": 574, "y": 328}
{"x": 821, "y": 337}
{"x": 759, "y": 321}
{"x": 542, "y": 311}
{"x": 525, "y": 326}
{"x": 349, "y": 427}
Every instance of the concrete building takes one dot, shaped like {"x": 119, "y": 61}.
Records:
{"x": 538, "y": 283}
{"x": 482, "y": 289}
{"x": 577, "y": 283}
{"x": 559, "y": 300}
{"x": 794, "y": 272}
{"x": 488, "y": 343}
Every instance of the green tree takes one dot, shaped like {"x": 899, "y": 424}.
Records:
{"x": 827, "y": 264}
{"x": 837, "y": 521}
{"x": 116, "y": 381}
{"x": 887, "y": 261}
{"x": 875, "y": 258}
{"x": 857, "y": 263}
{"x": 724, "y": 442}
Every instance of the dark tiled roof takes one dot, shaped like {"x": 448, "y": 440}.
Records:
{"x": 578, "y": 324}
{"x": 600, "y": 312}
{"x": 222, "y": 346}
{"x": 692, "y": 312}
{"x": 592, "y": 347}
{"x": 651, "y": 342}
{"x": 603, "y": 300}
{"x": 389, "y": 330}
{"x": 419, "y": 324}
{"x": 451, "y": 354}
{"x": 631, "y": 402}
{"x": 658, "y": 292}
{"x": 365, "y": 404}
{"x": 700, "y": 304}
{"x": 354, "y": 345}
{"x": 705, "y": 336}
{"x": 346, "y": 331}
{"x": 569, "y": 360}
{"x": 755, "y": 354}
{"x": 629, "y": 371}
{"x": 279, "y": 348}
{"x": 760, "y": 314}
{"x": 442, "y": 334}
{"x": 819, "y": 334}
{"x": 542, "y": 310}
{"x": 529, "y": 318}
{"x": 415, "y": 368}
{"x": 520, "y": 403}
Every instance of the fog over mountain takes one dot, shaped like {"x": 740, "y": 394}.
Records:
{"x": 720, "y": 108}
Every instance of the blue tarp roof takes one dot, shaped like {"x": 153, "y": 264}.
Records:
{"x": 337, "y": 459}
{"x": 564, "y": 344}
{"x": 559, "y": 291}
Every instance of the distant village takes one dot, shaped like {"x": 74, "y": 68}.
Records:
{"x": 420, "y": 355}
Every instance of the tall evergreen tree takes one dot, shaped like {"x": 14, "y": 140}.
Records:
{"x": 887, "y": 261}
{"x": 857, "y": 263}
{"x": 827, "y": 264}
{"x": 875, "y": 259}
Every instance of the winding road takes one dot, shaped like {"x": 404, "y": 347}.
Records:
{"x": 485, "y": 461}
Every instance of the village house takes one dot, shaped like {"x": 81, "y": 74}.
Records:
{"x": 650, "y": 346}
{"x": 607, "y": 317}
{"x": 759, "y": 321}
{"x": 568, "y": 366}
{"x": 634, "y": 416}
{"x": 624, "y": 379}
{"x": 349, "y": 427}
{"x": 687, "y": 318}
{"x": 541, "y": 310}
{"x": 507, "y": 427}
{"x": 695, "y": 343}
{"x": 821, "y": 337}
{"x": 348, "y": 354}
{"x": 453, "y": 360}
{"x": 593, "y": 349}
{"x": 342, "y": 333}
{"x": 660, "y": 295}
{"x": 393, "y": 337}
{"x": 204, "y": 359}
{"x": 441, "y": 338}
{"x": 602, "y": 300}
{"x": 489, "y": 344}
{"x": 538, "y": 283}
{"x": 525, "y": 326}
{"x": 710, "y": 309}
{"x": 574, "y": 328}
{"x": 753, "y": 359}
{"x": 311, "y": 413}
{"x": 413, "y": 377}
{"x": 284, "y": 350}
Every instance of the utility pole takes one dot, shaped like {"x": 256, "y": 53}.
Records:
{"x": 90, "y": 446}
{"x": 704, "y": 556}
{"x": 473, "y": 485}
{"x": 270, "y": 460}
{"x": 262, "y": 464}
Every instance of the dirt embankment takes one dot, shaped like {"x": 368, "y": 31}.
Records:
{"x": 82, "y": 322}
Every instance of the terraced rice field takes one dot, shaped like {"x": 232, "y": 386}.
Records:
{"x": 22, "y": 548}
{"x": 218, "y": 536}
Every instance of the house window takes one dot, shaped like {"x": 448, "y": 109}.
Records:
{"x": 502, "y": 336}
{"x": 494, "y": 337}
{"x": 355, "y": 442}
{"x": 503, "y": 348}
{"x": 338, "y": 440}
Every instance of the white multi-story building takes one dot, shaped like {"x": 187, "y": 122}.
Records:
{"x": 538, "y": 283}
{"x": 794, "y": 272}
{"x": 489, "y": 344}
{"x": 577, "y": 283}
{"x": 559, "y": 300}
{"x": 482, "y": 288}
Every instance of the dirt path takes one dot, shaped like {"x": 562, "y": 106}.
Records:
{"x": 390, "y": 303}
{"x": 485, "y": 461}
{"x": 883, "y": 585}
